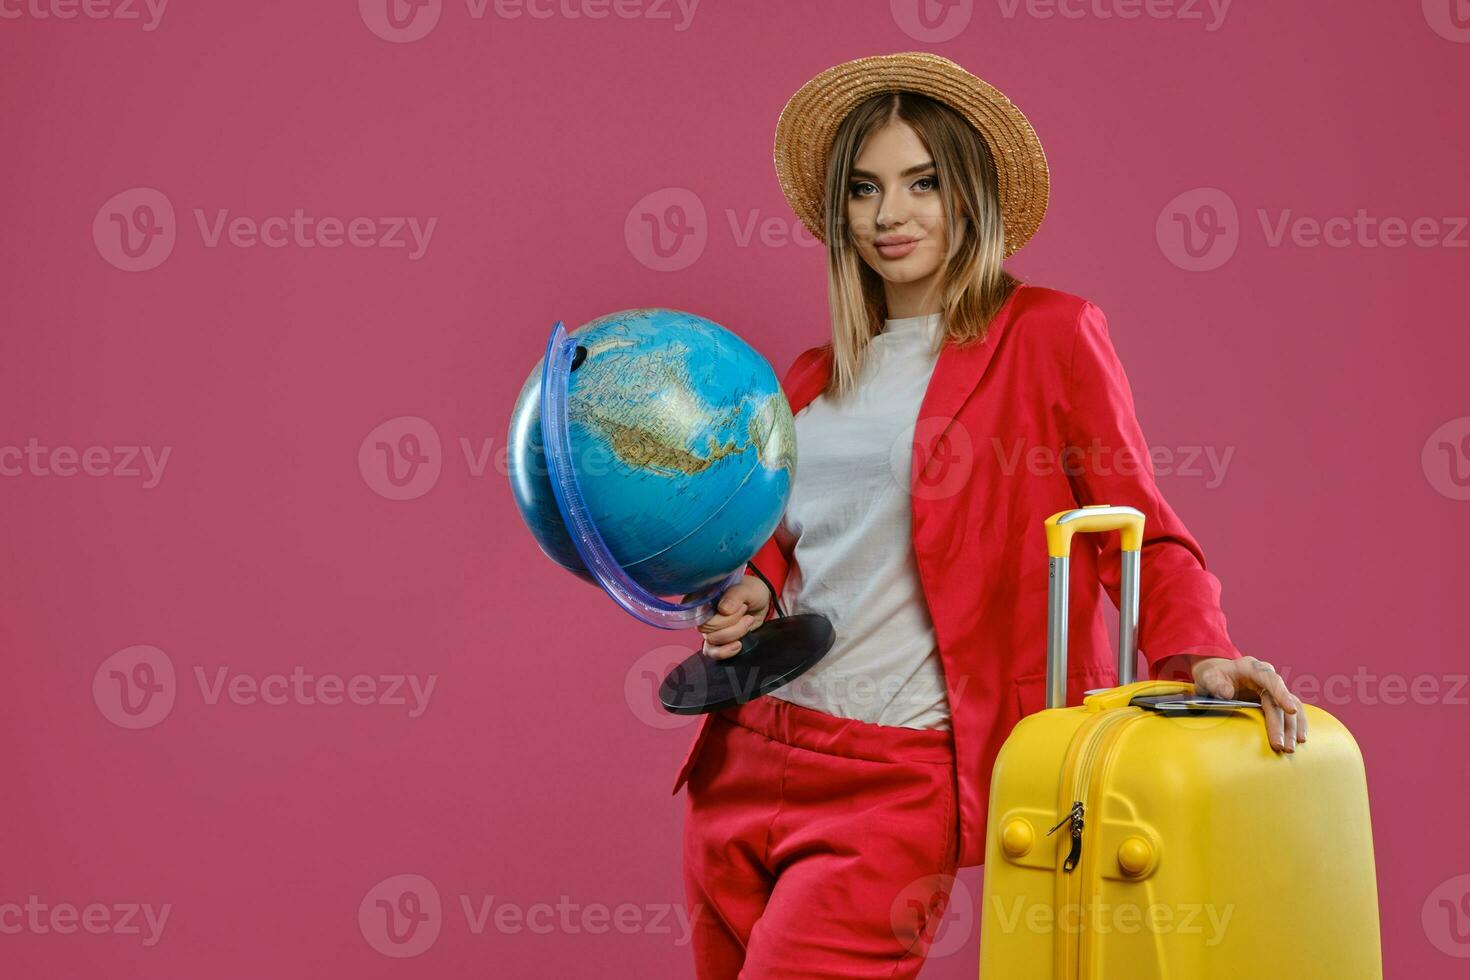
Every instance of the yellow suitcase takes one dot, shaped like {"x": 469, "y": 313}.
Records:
{"x": 1166, "y": 840}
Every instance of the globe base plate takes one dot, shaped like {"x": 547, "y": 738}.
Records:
{"x": 771, "y": 656}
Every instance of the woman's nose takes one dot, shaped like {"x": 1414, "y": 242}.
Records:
{"x": 889, "y": 217}
{"x": 892, "y": 213}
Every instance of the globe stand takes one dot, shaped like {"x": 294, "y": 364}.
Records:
{"x": 770, "y": 657}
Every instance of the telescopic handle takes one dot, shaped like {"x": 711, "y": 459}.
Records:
{"x": 1060, "y": 528}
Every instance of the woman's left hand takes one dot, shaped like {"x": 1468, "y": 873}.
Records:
{"x": 1249, "y": 679}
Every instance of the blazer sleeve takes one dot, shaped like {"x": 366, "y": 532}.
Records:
{"x": 1179, "y": 599}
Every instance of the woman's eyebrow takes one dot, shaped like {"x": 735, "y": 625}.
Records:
{"x": 926, "y": 165}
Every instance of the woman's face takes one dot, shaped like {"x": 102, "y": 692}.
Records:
{"x": 895, "y": 209}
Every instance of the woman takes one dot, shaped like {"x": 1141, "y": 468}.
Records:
{"x": 953, "y": 411}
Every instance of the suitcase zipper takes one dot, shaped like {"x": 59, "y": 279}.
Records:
{"x": 1097, "y": 741}
{"x": 1076, "y": 815}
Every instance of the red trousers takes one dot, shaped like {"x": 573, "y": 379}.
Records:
{"x": 817, "y": 846}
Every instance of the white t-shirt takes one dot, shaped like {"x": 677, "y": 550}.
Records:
{"x": 847, "y": 525}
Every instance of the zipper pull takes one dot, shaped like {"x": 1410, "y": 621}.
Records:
{"x": 1074, "y": 817}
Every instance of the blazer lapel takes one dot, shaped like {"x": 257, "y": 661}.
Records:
{"x": 957, "y": 374}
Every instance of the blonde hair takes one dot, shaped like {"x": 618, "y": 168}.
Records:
{"x": 974, "y": 284}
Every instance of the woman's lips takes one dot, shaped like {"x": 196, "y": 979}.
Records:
{"x": 897, "y": 251}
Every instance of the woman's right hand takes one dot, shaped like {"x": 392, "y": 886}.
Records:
{"x": 742, "y": 607}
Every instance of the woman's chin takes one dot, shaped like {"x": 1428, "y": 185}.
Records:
{"x": 901, "y": 271}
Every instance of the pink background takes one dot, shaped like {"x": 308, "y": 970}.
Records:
{"x": 539, "y": 771}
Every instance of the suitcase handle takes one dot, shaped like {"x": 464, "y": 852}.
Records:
{"x": 1060, "y": 528}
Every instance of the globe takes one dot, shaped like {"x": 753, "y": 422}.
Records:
{"x": 682, "y": 443}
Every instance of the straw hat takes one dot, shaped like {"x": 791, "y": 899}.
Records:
{"x": 810, "y": 119}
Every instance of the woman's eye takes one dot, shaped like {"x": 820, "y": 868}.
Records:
{"x": 862, "y": 187}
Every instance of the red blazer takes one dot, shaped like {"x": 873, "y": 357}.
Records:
{"x": 1038, "y": 418}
